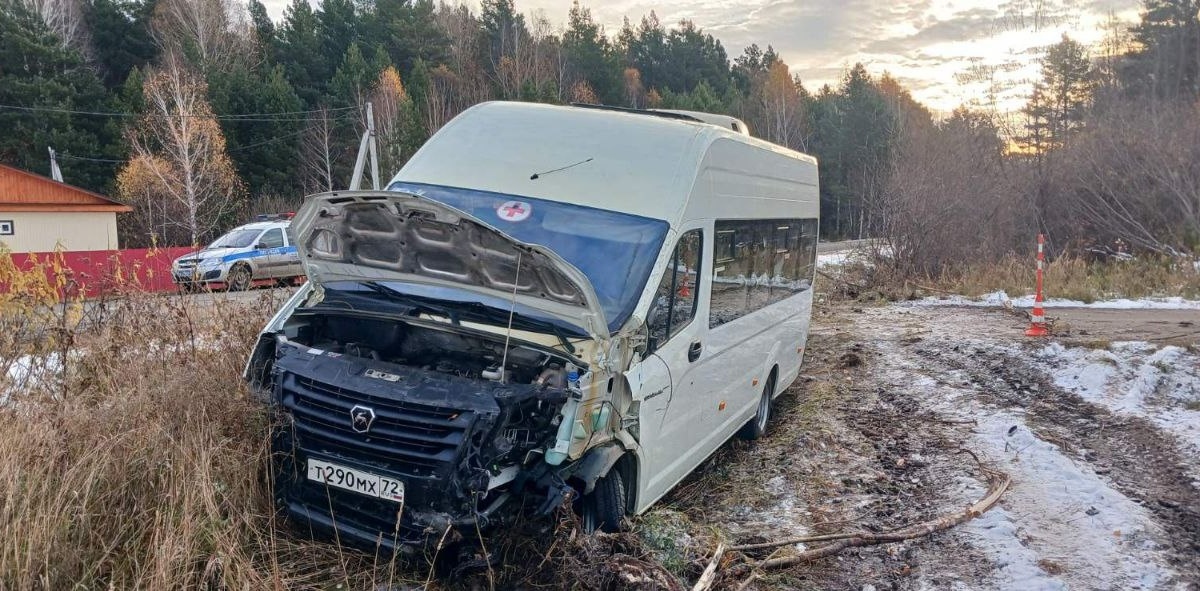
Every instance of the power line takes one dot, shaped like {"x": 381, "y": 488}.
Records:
{"x": 278, "y": 138}
{"x": 86, "y": 159}
{"x": 292, "y": 116}
{"x": 275, "y": 139}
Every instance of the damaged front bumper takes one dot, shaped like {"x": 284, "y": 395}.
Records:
{"x": 463, "y": 448}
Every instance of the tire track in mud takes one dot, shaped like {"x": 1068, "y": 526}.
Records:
{"x": 1138, "y": 459}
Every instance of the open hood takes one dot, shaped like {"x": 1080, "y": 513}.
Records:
{"x": 395, "y": 236}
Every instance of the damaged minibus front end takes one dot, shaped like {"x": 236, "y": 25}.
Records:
{"x": 439, "y": 375}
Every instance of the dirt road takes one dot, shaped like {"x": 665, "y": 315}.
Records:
{"x": 1102, "y": 443}
{"x": 1164, "y": 327}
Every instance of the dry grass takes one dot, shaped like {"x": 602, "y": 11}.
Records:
{"x": 133, "y": 457}
{"x": 143, "y": 468}
{"x": 1065, "y": 277}
{"x": 1076, "y": 279}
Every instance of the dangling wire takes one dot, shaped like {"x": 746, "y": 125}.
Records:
{"x": 512, "y": 306}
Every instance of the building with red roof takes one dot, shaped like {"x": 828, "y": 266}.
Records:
{"x": 39, "y": 214}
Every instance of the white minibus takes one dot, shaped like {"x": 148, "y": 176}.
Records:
{"x": 547, "y": 304}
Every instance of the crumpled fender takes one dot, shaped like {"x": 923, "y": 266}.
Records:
{"x": 596, "y": 464}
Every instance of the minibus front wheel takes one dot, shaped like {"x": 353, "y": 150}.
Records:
{"x": 603, "y": 509}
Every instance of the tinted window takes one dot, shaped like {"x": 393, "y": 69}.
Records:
{"x": 272, "y": 239}
{"x": 675, "y": 300}
{"x": 759, "y": 262}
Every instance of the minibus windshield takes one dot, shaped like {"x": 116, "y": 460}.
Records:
{"x": 616, "y": 251}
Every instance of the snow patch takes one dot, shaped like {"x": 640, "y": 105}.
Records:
{"x": 996, "y": 533}
{"x": 28, "y": 373}
{"x": 784, "y": 518}
{"x": 1160, "y": 384}
{"x": 1060, "y": 525}
{"x": 838, "y": 259}
{"x": 1062, "y": 506}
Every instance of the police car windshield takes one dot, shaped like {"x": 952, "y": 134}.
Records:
{"x": 235, "y": 239}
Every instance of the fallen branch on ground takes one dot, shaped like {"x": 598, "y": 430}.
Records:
{"x": 1019, "y": 313}
{"x": 710, "y": 572}
{"x": 928, "y": 288}
{"x": 998, "y": 482}
{"x": 841, "y": 280}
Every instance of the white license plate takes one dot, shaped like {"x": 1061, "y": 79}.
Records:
{"x": 365, "y": 483}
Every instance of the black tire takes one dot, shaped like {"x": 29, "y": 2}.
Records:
{"x": 757, "y": 427}
{"x": 604, "y": 508}
{"x": 240, "y": 278}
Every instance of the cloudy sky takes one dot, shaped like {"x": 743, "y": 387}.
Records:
{"x": 947, "y": 52}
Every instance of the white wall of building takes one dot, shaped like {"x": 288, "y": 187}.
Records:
{"x": 44, "y": 231}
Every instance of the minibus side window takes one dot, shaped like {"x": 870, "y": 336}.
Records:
{"x": 675, "y": 299}
{"x": 757, "y": 263}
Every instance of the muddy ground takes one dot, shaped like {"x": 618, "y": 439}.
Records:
{"x": 1164, "y": 327}
{"x": 872, "y": 438}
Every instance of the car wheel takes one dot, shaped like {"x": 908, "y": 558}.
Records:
{"x": 604, "y": 508}
{"x": 758, "y": 425}
{"x": 239, "y": 278}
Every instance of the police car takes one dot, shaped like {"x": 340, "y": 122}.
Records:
{"x": 253, "y": 252}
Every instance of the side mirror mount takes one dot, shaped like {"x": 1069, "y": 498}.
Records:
{"x": 652, "y": 341}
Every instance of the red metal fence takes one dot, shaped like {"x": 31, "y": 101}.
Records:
{"x": 96, "y": 272}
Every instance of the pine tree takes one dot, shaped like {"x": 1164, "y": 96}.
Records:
{"x": 120, "y": 35}
{"x": 1166, "y": 63}
{"x": 337, "y": 26}
{"x": 264, "y": 29}
{"x": 352, "y": 80}
{"x": 695, "y": 56}
{"x": 300, "y": 53}
{"x": 590, "y": 56}
{"x": 263, "y": 151}
{"x": 38, "y": 70}
{"x": 409, "y": 31}
{"x": 1061, "y": 99}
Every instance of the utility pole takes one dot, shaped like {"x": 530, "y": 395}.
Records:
{"x": 55, "y": 172}
{"x": 367, "y": 148}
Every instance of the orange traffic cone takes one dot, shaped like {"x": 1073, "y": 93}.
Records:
{"x": 1037, "y": 318}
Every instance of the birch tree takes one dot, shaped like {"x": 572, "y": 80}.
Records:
{"x": 215, "y": 32}
{"x": 782, "y": 106}
{"x": 179, "y": 144}
{"x": 64, "y": 18}
{"x": 393, "y": 119}
{"x": 633, "y": 87}
{"x": 316, "y": 152}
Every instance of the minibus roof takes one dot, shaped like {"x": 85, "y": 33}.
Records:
{"x": 619, "y": 160}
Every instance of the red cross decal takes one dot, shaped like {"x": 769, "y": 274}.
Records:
{"x": 514, "y": 211}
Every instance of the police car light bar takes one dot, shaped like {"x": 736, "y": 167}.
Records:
{"x": 271, "y": 217}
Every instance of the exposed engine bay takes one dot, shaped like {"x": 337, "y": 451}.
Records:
{"x": 464, "y": 421}
{"x": 468, "y": 356}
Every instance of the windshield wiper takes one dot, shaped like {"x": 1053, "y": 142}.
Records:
{"x": 415, "y": 304}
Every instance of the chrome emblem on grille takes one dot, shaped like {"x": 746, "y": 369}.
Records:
{"x": 361, "y": 418}
{"x": 382, "y": 375}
